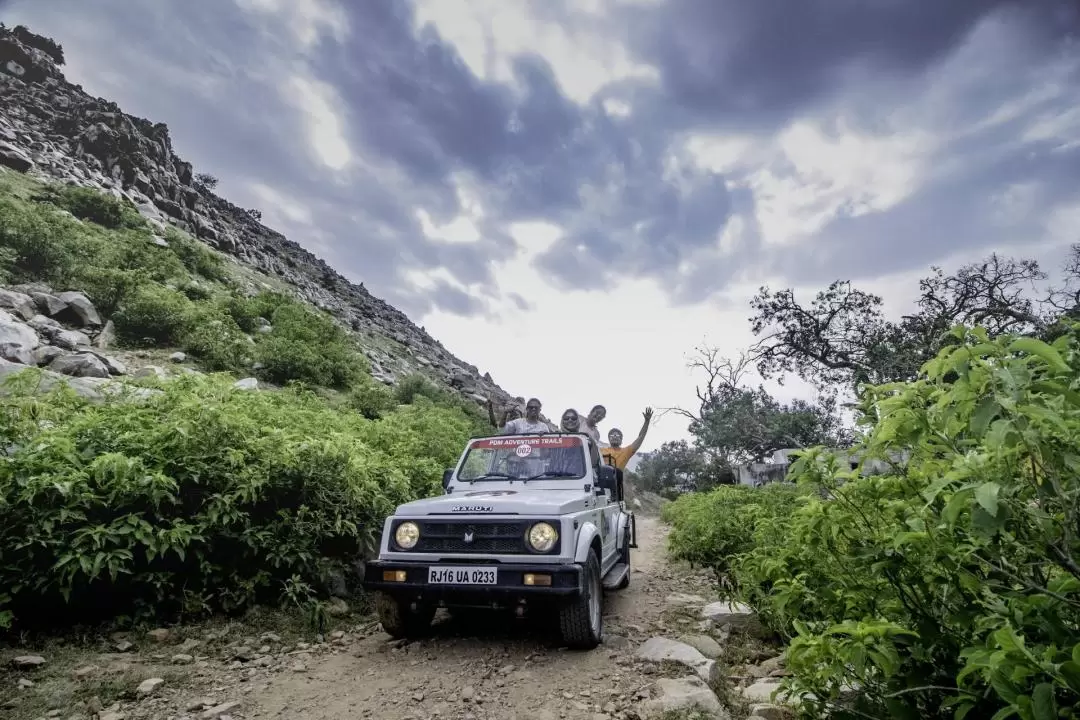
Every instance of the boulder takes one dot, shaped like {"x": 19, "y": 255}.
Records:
{"x": 48, "y": 304}
{"x": 17, "y": 340}
{"x": 46, "y": 354}
{"x": 661, "y": 649}
{"x": 18, "y": 303}
{"x": 82, "y": 365}
{"x": 688, "y": 695}
{"x": 79, "y": 311}
{"x": 70, "y": 339}
{"x": 732, "y": 615}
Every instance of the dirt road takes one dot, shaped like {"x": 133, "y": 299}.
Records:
{"x": 503, "y": 670}
{"x": 491, "y": 669}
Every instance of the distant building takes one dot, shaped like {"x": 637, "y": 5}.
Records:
{"x": 775, "y": 470}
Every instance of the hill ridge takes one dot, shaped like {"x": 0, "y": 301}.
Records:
{"x": 52, "y": 128}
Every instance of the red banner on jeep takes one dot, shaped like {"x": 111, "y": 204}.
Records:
{"x": 541, "y": 441}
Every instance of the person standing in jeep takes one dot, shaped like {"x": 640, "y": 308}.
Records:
{"x": 529, "y": 424}
{"x": 617, "y": 455}
{"x": 595, "y": 416}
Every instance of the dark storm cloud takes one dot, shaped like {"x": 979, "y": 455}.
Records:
{"x": 420, "y": 120}
{"x": 755, "y": 65}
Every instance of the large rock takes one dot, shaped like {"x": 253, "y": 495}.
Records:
{"x": 662, "y": 649}
{"x": 70, "y": 339}
{"x": 82, "y": 365}
{"x": 78, "y": 310}
{"x": 17, "y": 340}
{"x": 685, "y": 696}
{"x": 763, "y": 691}
{"x": 731, "y": 615}
{"x": 18, "y": 303}
{"x": 704, "y": 644}
{"x": 48, "y": 304}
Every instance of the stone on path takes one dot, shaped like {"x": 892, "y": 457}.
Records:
{"x": 683, "y": 695}
{"x": 660, "y": 649}
{"x": 704, "y": 644}
{"x": 149, "y": 686}
{"x": 761, "y": 691}
{"x": 735, "y": 616}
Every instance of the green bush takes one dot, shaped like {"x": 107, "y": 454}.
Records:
{"x": 371, "y": 399}
{"x": 195, "y": 256}
{"x": 199, "y": 498}
{"x": 215, "y": 339}
{"x": 710, "y": 529}
{"x": 306, "y": 346}
{"x": 153, "y": 315}
{"x": 92, "y": 205}
{"x": 38, "y": 244}
{"x": 948, "y": 587}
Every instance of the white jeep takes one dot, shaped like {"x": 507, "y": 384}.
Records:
{"x": 532, "y": 523}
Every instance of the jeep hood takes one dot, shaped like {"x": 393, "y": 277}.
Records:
{"x": 525, "y": 501}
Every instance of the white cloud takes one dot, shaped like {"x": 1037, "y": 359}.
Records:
{"x": 319, "y": 105}
{"x": 487, "y": 33}
{"x": 308, "y": 20}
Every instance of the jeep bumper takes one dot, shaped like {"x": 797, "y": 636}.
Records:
{"x": 510, "y": 585}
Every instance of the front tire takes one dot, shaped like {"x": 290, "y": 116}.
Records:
{"x": 581, "y": 620}
{"x": 400, "y": 620}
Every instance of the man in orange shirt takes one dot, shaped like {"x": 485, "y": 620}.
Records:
{"x": 619, "y": 456}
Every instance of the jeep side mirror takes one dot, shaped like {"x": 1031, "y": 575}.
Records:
{"x": 447, "y": 475}
{"x": 606, "y": 479}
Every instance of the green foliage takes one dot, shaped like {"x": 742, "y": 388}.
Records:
{"x": 153, "y": 315}
{"x": 197, "y": 258}
{"x": 414, "y": 386}
{"x": 199, "y": 497}
{"x": 307, "y": 346}
{"x": 92, "y": 205}
{"x": 709, "y": 529}
{"x": 947, "y": 587}
{"x": 371, "y": 399}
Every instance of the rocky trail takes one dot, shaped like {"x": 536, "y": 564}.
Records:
{"x": 668, "y": 653}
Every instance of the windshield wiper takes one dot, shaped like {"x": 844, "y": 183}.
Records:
{"x": 554, "y": 474}
{"x": 492, "y": 476}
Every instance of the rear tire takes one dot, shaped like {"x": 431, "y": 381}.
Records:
{"x": 399, "y": 619}
{"x": 581, "y": 619}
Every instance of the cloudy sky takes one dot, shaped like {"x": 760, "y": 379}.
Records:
{"x": 572, "y": 194}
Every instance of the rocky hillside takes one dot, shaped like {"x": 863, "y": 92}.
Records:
{"x": 52, "y": 129}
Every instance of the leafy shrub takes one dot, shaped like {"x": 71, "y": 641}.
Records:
{"x": 90, "y": 204}
{"x": 198, "y": 498}
{"x": 948, "y": 587}
{"x": 153, "y": 315}
{"x": 308, "y": 347}
{"x": 371, "y": 399}
{"x": 710, "y": 529}
{"x": 415, "y": 385}
{"x": 196, "y": 257}
{"x": 247, "y": 311}
{"x": 215, "y": 339}
{"x": 37, "y": 243}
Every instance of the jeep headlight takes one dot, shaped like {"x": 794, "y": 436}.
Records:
{"x": 407, "y": 535}
{"x": 542, "y": 537}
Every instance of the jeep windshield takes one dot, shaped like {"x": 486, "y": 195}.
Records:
{"x": 539, "y": 457}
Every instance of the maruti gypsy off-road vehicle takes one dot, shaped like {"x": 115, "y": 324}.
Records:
{"x": 535, "y": 524}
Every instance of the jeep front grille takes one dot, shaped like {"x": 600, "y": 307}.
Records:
{"x": 505, "y": 538}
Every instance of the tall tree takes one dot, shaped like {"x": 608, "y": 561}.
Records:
{"x": 735, "y": 424}
{"x": 842, "y": 338}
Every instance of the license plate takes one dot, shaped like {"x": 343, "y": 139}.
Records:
{"x": 462, "y": 576}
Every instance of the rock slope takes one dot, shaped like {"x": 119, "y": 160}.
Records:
{"x": 53, "y": 129}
